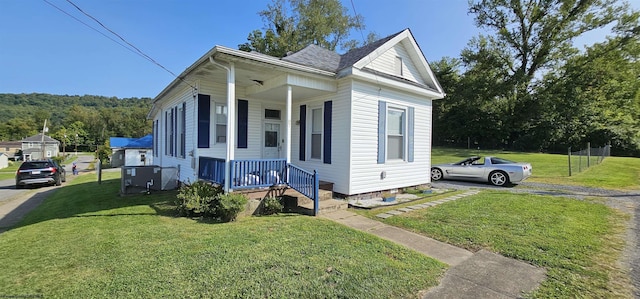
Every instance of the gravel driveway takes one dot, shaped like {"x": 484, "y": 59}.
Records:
{"x": 627, "y": 202}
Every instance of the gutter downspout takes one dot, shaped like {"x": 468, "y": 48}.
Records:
{"x": 231, "y": 113}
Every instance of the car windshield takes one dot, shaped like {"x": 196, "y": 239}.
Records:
{"x": 495, "y": 160}
{"x": 467, "y": 161}
{"x": 34, "y": 165}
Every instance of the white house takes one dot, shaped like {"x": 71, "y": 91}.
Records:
{"x": 361, "y": 120}
{"x": 4, "y": 160}
{"x": 131, "y": 151}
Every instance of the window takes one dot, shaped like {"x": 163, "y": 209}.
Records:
{"x": 395, "y": 133}
{"x": 221, "y": 123}
{"x": 316, "y": 133}
{"x": 181, "y": 148}
{"x": 271, "y": 114}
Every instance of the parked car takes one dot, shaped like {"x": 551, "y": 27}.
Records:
{"x": 497, "y": 171}
{"x": 40, "y": 172}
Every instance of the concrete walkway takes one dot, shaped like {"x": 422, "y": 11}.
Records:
{"x": 472, "y": 275}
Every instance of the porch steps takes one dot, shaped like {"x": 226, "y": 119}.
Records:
{"x": 327, "y": 203}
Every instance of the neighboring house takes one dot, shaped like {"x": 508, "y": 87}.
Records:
{"x": 361, "y": 120}
{"x": 32, "y": 147}
{"x": 4, "y": 160}
{"x": 131, "y": 151}
{"x": 10, "y": 147}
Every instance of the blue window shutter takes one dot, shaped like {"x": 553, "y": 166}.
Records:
{"x": 382, "y": 131}
{"x": 204, "y": 119}
{"x": 410, "y": 132}
{"x": 328, "y": 107}
{"x": 303, "y": 132}
{"x": 183, "y": 132}
{"x": 166, "y": 132}
{"x": 243, "y": 123}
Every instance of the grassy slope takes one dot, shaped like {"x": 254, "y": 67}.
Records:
{"x": 81, "y": 243}
{"x": 612, "y": 173}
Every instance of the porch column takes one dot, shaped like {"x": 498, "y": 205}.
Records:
{"x": 231, "y": 120}
{"x": 288, "y": 125}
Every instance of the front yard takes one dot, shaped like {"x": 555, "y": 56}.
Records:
{"x": 87, "y": 242}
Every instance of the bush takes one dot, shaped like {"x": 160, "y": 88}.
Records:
{"x": 271, "y": 205}
{"x": 197, "y": 199}
{"x": 230, "y": 205}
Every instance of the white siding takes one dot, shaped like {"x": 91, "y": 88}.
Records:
{"x": 386, "y": 63}
{"x": 337, "y": 172}
{"x": 365, "y": 173}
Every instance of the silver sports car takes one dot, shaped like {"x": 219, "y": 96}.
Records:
{"x": 497, "y": 171}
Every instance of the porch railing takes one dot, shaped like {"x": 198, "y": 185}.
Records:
{"x": 258, "y": 173}
{"x": 306, "y": 183}
{"x": 211, "y": 169}
{"x": 246, "y": 174}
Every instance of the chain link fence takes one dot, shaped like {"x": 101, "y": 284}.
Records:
{"x": 581, "y": 160}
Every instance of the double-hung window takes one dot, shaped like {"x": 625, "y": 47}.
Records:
{"x": 396, "y": 119}
{"x": 221, "y": 123}
{"x": 316, "y": 133}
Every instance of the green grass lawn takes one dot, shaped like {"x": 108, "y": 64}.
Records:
{"x": 9, "y": 172}
{"x": 87, "y": 242}
{"x": 613, "y": 173}
{"x": 578, "y": 242}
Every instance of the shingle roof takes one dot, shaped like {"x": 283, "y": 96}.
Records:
{"x": 318, "y": 57}
{"x": 38, "y": 138}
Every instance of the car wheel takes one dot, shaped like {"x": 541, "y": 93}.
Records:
{"x": 498, "y": 178}
{"x": 19, "y": 186}
{"x": 436, "y": 174}
{"x": 58, "y": 181}
{"x": 64, "y": 178}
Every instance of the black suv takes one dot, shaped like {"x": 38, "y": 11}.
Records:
{"x": 45, "y": 172}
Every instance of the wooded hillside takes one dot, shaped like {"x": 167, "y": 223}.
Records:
{"x": 88, "y": 120}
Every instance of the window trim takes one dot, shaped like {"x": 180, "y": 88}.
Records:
{"x": 404, "y": 134}
{"x": 320, "y": 132}
{"x": 216, "y": 122}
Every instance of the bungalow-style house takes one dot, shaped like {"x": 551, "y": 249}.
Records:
{"x": 361, "y": 120}
{"x": 131, "y": 151}
{"x": 34, "y": 146}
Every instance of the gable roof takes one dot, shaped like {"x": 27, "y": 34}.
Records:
{"x": 38, "y": 138}
{"x": 124, "y": 142}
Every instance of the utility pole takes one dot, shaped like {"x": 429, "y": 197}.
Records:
{"x": 44, "y": 128}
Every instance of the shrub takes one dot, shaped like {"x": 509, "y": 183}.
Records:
{"x": 197, "y": 199}
{"x": 230, "y": 205}
{"x": 271, "y": 205}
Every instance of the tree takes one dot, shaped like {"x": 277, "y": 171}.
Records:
{"x": 293, "y": 24}
{"x": 529, "y": 37}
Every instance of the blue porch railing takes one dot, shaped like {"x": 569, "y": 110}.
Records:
{"x": 306, "y": 183}
{"x": 211, "y": 169}
{"x": 247, "y": 174}
{"x": 258, "y": 173}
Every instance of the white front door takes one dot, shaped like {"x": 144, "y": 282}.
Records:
{"x": 272, "y": 143}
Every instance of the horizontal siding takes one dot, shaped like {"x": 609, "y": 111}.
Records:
{"x": 337, "y": 172}
{"x": 386, "y": 63}
{"x": 365, "y": 171}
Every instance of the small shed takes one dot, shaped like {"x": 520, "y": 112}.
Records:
{"x": 131, "y": 151}
{"x": 4, "y": 160}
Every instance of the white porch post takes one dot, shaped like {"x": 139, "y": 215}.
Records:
{"x": 231, "y": 120}
{"x": 288, "y": 126}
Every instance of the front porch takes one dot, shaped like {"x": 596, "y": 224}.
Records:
{"x": 262, "y": 173}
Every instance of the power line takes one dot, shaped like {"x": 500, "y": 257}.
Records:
{"x": 137, "y": 51}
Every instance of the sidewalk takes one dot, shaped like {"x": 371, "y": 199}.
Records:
{"x": 472, "y": 275}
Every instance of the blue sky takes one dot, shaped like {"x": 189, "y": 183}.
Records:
{"x": 44, "y": 50}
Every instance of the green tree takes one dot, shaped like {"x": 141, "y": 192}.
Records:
{"x": 293, "y": 24}
{"x": 527, "y": 38}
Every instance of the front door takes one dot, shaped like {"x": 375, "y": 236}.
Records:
{"x": 272, "y": 145}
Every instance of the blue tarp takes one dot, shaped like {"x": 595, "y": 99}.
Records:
{"x": 124, "y": 142}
